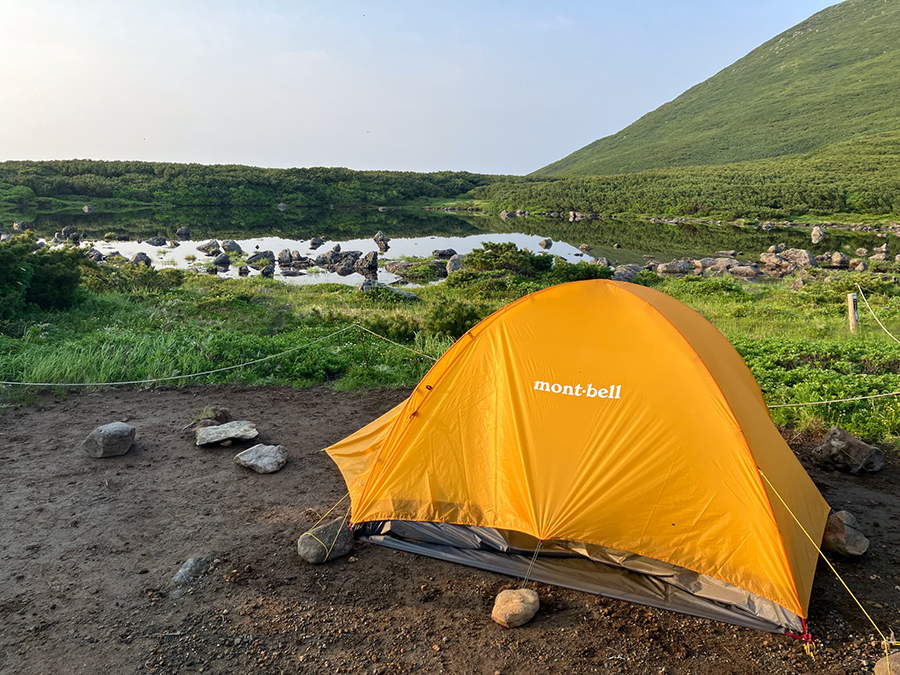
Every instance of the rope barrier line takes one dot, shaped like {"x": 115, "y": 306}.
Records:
{"x": 884, "y": 640}
{"x": 175, "y": 377}
{"x": 836, "y": 400}
{"x": 171, "y": 378}
{"x": 875, "y": 316}
{"x": 427, "y": 356}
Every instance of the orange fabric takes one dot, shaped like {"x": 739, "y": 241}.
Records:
{"x": 600, "y": 412}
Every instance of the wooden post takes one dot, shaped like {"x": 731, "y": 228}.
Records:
{"x": 852, "y": 312}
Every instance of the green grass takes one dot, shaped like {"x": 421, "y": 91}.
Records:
{"x": 828, "y": 79}
{"x": 796, "y": 343}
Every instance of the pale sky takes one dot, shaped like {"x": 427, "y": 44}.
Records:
{"x": 492, "y": 86}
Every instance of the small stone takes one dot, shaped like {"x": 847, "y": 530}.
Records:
{"x": 109, "y": 440}
{"x": 515, "y": 608}
{"x": 842, "y": 535}
{"x": 262, "y": 458}
{"x": 227, "y": 443}
{"x": 240, "y": 430}
{"x": 326, "y": 542}
{"x": 191, "y": 569}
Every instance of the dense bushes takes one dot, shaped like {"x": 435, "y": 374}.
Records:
{"x": 46, "y": 278}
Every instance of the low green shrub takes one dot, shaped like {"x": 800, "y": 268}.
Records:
{"x": 452, "y": 318}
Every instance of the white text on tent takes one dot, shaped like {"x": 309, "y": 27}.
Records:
{"x": 614, "y": 390}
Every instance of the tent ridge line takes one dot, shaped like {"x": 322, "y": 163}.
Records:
{"x": 744, "y": 442}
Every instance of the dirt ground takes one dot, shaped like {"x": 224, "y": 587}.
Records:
{"x": 88, "y": 548}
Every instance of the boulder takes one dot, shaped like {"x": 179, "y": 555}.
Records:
{"x": 284, "y": 258}
{"x": 818, "y": 235}
{"x": 585, "y": 248}
{"x": 95, "y": 255}
{"x": 727, "y": 254}
{"x": 87, "y": 208}
{"x": 326, "y": 542}
{"x": 626, "y": 272}
{"x": 316, "y": 242}
{"x": 799, "y": 257}
{"x": 888, "y": 665}
{"x": 797, "y": 285}
{"x": 842, "y": 535}
{"x": 881, "y": 253}
{"x": 367, "y": 265}
{"x": 109, "y": 440}
{"x": 744, "y": 272}
{"x": 157, "y": 241}
{"x": 862, "y": 252}
{"x": 381, "y": 239}
{"x": 183, "y": 233}
{"x": 243, "y": 270}
{"x": 674, "y": 267}
{"x": 772, "y": 259}
{"x": 776, "y": 248}
{"x": 602, "y": 260}
{"x": 506, "y": 215}
{"x": 209, "y": 248}
{"x": 141, "y": 258}
{"x": 282, "y": 206}
{"x": 839, "y": 259}
{"x": 261, "y": 259}
{"x": 861, "y": 266}
{"x": 515, "y": 608}
{"x": 455, "y": 263}
{"x": 262, "y": 458}
{"x": 268, "y": 271}
{"x": 231, "y": 246}
{"x": 443, "y": 253}
{"x": 222, "y": 260}
{"x": 239, "y": 430}
{"x": 371, "y": 284}
{"x": 545, "y": 243}
{"x": 846, "y": 452}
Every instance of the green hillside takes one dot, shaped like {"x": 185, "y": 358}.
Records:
{"x": 831, "y": 78}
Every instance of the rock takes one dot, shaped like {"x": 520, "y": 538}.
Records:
{"x": 799, "y": 257}
{"x": 506, "y": 215}
{"x": 545, "y": 243}
{"x": 222, "y": 260}
{"x": 842, "y": 535}
{"x": 381, "y": 240}
{"x": 190, "y": 570}
{"x": 157, "y": 241}
{"x": 5, "y": 236}
{"x": 87, "y": 208}
{"x": 243, "y": 270}
{"x": 417, "y": 269}
{"x": 776, "y": 248}
{"x": 839, "y": 259}
{"x": 455, "y": 263}
{"x": 326, "y": 542}
{"x": 888, "y": 665}
{"x": 515, "y": 608}
{"x": 818, "y": 235}
{"x": 261, "y": 259}
{"x": 744, "y": 272}
{"x": 262, "y": 458}
{"x": 370, "y": 284}
{"x": 602, "y": 260}
{"x": 367, "y": 265}
{"x": 881, "y": 253}
{"x": 231, "y": 246}
{"x": 768, "y": 225}
{"x": 282, "y": 206}
{"x": 284, "y": 258}
{"x": 96, "y": 255}
{"x": 291, "y": 272}
{"x": 444, "y": 253}
{"x": 617, "y": 246}
{"x": 316, "y": 242}
{"x": 797, "y": 285}
{"x": 674, "y": 267}
{"x": 240, "y": 430}
{"x": 268, "y": 271}
{"x": 585, "y": 248}
{"x": 183, "y": 233}
{"x": 209, "y": 248}
{"x": 141, "y": 258}
{"x": 727, "y": 254}
{"x": 862, "y": 252}
{"x": 626, "y": 272}
{"x": 109, "y": 440}
{"x": 861, "y": 266}
{"x": 846, "y": 452}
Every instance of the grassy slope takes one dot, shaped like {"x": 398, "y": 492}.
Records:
{"x": 828, "y": 79}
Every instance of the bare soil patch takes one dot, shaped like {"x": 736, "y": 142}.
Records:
{"x": 89, "y": 546}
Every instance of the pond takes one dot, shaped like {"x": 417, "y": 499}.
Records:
{"x": 415, "y": 232}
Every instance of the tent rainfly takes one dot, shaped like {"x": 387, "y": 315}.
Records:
{"x": 617, "y": 432}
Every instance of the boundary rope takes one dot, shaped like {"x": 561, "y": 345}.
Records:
{"x": 875, "y": 316}
{"x": 171, "y": 378}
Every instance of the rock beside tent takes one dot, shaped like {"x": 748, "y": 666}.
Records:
{"x": 844, "y": 451}
{"x": 843, "y": 536}
{"x": 515, "y": 608}
{"x": 326, "y": 542}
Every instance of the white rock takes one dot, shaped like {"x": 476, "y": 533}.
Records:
{"x": 240, "y": 430}
{"x": 262, "y": 458}
{"x": 515, "y": 608}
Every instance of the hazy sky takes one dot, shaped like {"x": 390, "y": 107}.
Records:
{"x": 488, "y": 86}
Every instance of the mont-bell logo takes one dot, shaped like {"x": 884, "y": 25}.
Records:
{"x": 611, "y": 391}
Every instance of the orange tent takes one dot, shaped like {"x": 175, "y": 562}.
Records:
{"x": 618, "y": 429}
